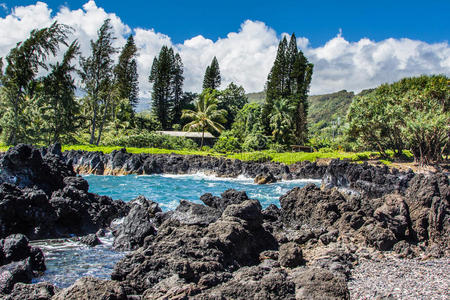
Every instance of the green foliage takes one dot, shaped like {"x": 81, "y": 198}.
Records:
{"x": 23, "y": 63}
{"x": 227, "y": 142}
{"x": 167, "y": 78}
{"x": 232, "y": 99}
{"x": 207, "y": 116}
{"x": 258, "y": 156}
{"x": 96, "y": 76}
{"x": 255, "y": 141}
{"x": 150, "y": 140}
{"x": 411, "y": 113}
{"x": 289, "y": 79}
{"x": 212, "y": 77}
{"x": 281, "y": 121}
{"x": 125, "y": 73}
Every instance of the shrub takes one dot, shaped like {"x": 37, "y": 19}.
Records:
{"x": 151, "y": 140}
{"x": 255, "y": 141}
{"x": 227, "y": 142}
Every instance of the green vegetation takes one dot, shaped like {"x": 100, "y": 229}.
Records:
{"x": 411, "y": 114}
{"x": 206, "y": 116}
{"x": 212, "y": 78}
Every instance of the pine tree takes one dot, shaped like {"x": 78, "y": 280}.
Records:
{"x": 289, "y": 78}
{"x": 177, "y": 89}
{"x": 96, "y": 75}
{"x": 167, "y": 78}
{"x": 125, "y": 73}
{"x": 212, "y": 77}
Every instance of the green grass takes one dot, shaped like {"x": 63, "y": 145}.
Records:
{"x": 261, "y": 156}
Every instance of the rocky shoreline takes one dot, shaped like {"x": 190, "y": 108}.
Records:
{"x": 228, "y": 247}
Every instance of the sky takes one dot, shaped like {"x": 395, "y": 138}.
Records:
{"x": 354, "y": 45}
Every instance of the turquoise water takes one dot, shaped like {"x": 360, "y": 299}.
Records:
{"x": 168, "y": 190}
{"x": 68, "y": 260}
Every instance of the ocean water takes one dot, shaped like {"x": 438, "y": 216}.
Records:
{"x": 68, "y": 260}
{"x": 168, "y": 190}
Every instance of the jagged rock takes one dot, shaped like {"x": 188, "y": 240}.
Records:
{"x": 290, "y": 256}
{"x": 194, "y": 250}
{"x": 228, "y": 197}
{"x": 90, "y": 240}
{"x": 428, "y": 200}
{"x": 256, "y": 282}
{"x": 364, "y": 179}
{"x": 189, "y": 213}
{"x": 88, "y": 288}
{"x": 42, "y": 198}
{"x": 137, "y": 225}
{"x": 37, "y": 291}
{"x": 318, "y": 283}
{"x": 311, "y": 208}
{"x": 10, "y": 274}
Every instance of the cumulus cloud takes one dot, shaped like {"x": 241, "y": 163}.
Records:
{"x": 245, "y": 56}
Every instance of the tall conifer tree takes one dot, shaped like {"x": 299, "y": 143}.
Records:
{"x": 167, "y": 78}
{"x": 289, "y": 78}
{"x": 125, "y": 72}
{"x": 212, "y": 77}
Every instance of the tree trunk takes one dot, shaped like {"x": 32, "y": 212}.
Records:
{"x": 203, "y": 136}
{"x": 94, "y": 120}
{"x": 100, "y": 129}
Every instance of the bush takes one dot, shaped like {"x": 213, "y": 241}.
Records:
{"x": 151, "y": 140}
{"x": 276, "y": 147}
{"x": 227, "y": 142}
{"x": 255, "y": 142}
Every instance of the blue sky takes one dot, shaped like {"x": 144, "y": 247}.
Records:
{"x": 428, "y": 21}
{"x": 381, "y": 41}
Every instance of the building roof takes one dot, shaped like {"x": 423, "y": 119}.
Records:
{"x": 187, "y": 134}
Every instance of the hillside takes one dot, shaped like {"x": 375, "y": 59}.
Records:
{"x": 258, "y": 97}
{"x": 329, "y": 107}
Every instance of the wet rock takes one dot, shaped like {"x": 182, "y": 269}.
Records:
{"x": 290, "y": 256}
{"x": 37, "y": 291}
{"x": 265, "y": 178}
{"x": 137, "y": 225}
{"x": 10, "y": 274}
{"x": 90, "y": 240}
{"x": 92, "y": 288}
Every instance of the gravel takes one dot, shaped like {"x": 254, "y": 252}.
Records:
{"x": 394, "y": 278}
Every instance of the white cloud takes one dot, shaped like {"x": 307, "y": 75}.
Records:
{"x": 246, "y": 56}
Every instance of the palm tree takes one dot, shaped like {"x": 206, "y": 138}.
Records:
{"x": 281, "y": 121}
{"x": 206, "y": 117}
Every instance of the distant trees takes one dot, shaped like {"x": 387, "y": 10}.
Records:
{"x": 212, "y": 77}
{"x": 97, "y": 79}
{"x": 167, "y": 78}
{"x": 289, "y": 79}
